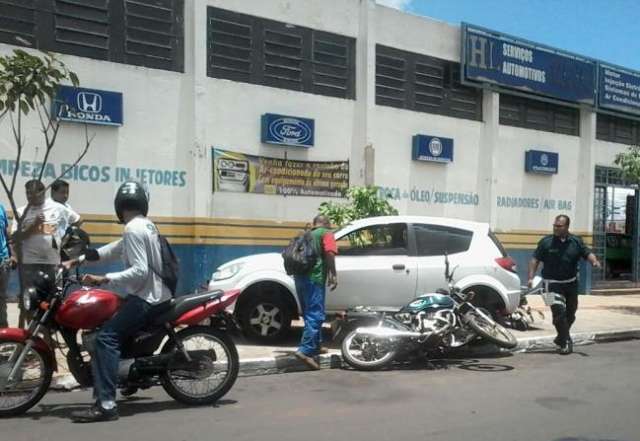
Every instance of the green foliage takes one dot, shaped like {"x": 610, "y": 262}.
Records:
{"x": 28, "y": 80}
{"x": 363, "y": 202}
{"x": 629, "y": 162}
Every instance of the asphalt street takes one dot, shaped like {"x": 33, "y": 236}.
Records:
{"x": 591, "y": 395}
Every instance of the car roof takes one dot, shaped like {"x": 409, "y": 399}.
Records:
{"x": 444, "y": 221}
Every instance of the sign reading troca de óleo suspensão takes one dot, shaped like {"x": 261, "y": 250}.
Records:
{"x": 244, "y": 173}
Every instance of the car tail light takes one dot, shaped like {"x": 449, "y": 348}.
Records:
{"x": 507, "y": 263}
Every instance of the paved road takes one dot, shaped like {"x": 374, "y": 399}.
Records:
{"x": 592, "y": 395}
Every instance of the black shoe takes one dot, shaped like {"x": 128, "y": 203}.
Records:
{"x": 128, "y": 391}
{"x": 95, "y": 414}
{"x": 567, "y": 348}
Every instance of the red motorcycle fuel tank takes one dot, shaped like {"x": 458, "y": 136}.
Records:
{"x": 88, "y": 308}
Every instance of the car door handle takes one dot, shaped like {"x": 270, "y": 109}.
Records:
{"x": 398, "y": 266}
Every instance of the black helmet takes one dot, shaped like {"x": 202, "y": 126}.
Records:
{"x": 131, "y": 196}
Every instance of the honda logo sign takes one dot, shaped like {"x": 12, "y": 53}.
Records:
{"x": 88, "y": 105}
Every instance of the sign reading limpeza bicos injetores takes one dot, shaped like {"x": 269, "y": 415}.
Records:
{"x": 239, "y": 172}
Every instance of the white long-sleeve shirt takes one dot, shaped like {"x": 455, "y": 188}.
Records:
{"x": 139, "y": 249}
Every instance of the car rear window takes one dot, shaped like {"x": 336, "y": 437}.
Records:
{"x": 497, "y": 243}
{"x": 436, "y": 240}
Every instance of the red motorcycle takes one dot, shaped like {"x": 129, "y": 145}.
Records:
{"x": 197, "y": 364}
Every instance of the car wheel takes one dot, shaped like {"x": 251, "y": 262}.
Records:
{"x": 266, "y": 317}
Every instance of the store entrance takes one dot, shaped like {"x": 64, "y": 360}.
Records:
{"x": 614, "y": 228}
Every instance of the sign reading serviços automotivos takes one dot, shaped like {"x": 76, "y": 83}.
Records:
{"x": 287, "y": 130}
{"x": 91, "y": 106}
{"x": 491, "y": 57}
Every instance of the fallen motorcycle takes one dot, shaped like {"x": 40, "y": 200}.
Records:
{"x": 196, "y": 364}
{"x": 430, "y": 323}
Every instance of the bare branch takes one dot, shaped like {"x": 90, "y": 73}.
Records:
{"x": 16, "y": 135}
{"x": 88, "y": 141}
{"x": 50, "y": 143}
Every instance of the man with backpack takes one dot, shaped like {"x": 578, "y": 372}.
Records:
{"x": 311, "y": 286}
{"x": 141, "y": 283}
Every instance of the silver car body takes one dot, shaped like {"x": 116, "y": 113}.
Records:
{"x": 388, "y": 281}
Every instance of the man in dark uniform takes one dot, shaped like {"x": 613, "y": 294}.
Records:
{"x": 560, "y": 254}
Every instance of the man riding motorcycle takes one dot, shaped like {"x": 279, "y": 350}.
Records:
{"x": 139, "y": 283}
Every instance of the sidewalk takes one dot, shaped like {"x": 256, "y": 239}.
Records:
{"x": 599, "y": 318}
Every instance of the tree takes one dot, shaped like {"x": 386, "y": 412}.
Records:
{"x": 28, "y": 85}
{"x": 629, "y": 162}
{"x": 363, "y": 202}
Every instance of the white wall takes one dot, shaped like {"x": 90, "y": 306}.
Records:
{"x": 155, "y": 136}
{"x": 172, "y": 120}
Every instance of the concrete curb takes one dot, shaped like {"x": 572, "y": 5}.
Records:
{"x": 287, "y": 363}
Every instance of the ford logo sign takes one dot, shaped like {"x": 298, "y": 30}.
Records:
{"x": 290, "y": 131}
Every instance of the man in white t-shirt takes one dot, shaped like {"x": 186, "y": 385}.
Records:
{"x": 60, "y": 194}
{"x": 40, "y": 235}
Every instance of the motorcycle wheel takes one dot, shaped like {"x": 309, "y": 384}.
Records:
{"x": 218, "y": 358}
{"x": 34, "y": 378}
{"x": 365, "y": 352}
{"x": 483, "y": 325}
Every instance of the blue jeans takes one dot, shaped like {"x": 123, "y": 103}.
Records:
{"x": 129, "y": 319}
{"x": 311, "y": 297}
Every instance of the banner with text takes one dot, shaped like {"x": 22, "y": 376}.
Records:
{"x": 243, "y": 173}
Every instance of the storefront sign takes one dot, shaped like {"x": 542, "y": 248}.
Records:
{"x": 619, "y": 89}
{"x": 90, "y": 106}
{"x": 537, "y": 161}
{"x": 257, "y": 174}
{"x": 287, "y": 130}
{"x": 491, "y": 57}
{"x": 432, "y": 148}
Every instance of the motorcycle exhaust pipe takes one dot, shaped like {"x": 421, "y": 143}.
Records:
{"x": 383, "y": 332}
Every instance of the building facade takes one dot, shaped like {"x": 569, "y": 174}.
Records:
{"x": 220, "y": 96}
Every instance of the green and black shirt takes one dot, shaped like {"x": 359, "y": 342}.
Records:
{"x": 560, "y": 258}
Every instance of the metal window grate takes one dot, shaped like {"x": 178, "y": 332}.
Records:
{"x": 141, "y": 32}
{"x": 617, "y": 129}
{"x": 418, "y": 82}
{"x": 266, "y": 52}
{"x": 538, "y": 115}
{"x": 18, "y": 22}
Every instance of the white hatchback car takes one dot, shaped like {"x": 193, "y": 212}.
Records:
{"x": 382, "y": 262}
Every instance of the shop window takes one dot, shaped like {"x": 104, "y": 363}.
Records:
{"x": 539, "y": 115}
{"x": 408, "y": 80}
{"x": 617, "y": 129}
{"x": 146, "y": 33}
{"x": 270, "y": 53}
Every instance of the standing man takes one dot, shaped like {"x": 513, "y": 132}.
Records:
{"x": 560, "y": 254}
{"x": 142, "y": 287}
{"x": 7, "y": 262}
{"x": 60, "y": 194}
{"x": 311, "y": 290}
{"x": 40, "y": 236}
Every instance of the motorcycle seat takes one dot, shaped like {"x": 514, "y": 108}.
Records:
{"x": 176, "y": 307}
